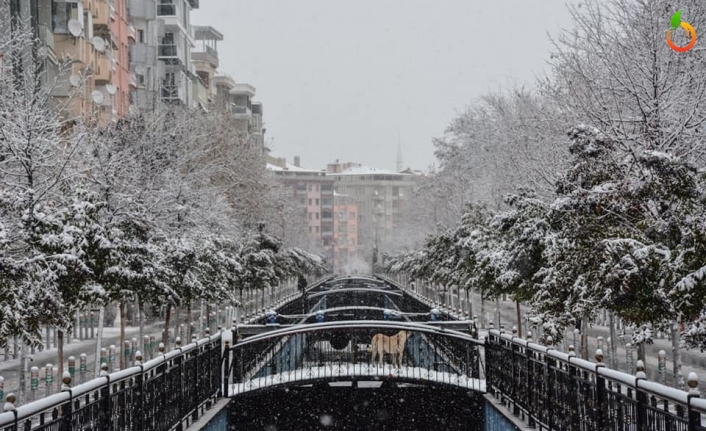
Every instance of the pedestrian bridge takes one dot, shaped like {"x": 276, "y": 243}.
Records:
{"x": 308, "y": 364}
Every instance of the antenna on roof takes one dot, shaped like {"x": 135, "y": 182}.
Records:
{"x": 400, "y": 163}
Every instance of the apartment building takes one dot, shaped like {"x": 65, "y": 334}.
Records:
{"x": 175, "y": 51}
{"x": 312, "y": 192}
{"x": 146, "y": 71}
{"x": 237, "y": 99}
{"x": 205, "y": 61}
{"x": 345, "y": 232}
{"x": 380, "y": 196}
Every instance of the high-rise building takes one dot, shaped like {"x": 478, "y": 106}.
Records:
{"x": 175, "y": 51}
{"x": 205, "y": 61}
{"x": 146, "y": 71}
{"x": 345, "y": 232}
{"x": 312, "y": 193}
{"x": 381, "y": 197}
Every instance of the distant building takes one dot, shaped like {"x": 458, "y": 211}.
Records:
{"x": 205, "y": 62}
{"x": 381, "y": 197}
{"x": 312, "y": 193}
{"x": 175, "y": 51}
{"x": 345, "y": 232}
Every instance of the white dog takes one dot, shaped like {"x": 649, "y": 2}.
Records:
{"x": 393, "y": 345}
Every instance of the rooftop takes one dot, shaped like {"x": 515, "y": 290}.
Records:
{"x": 366, "y": 170}
{"x": 206, "y": 32}
{"x": 290, "y": 167}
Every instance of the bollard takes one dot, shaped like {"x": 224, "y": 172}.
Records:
{"x": 572, "y": 350}
{"x": 10, "y": 403}
{"x": 177, "y": 343}
{"x": 72, "y": 367}
{"x": 153, "y": 346}
{"x": 49, "y": 377}
{"x": 66, "y": 381}
{"x": 662, "y": 366}
{"x": 208, "y": 331}
{"x": 514, "y": 330}
{"x": 83, "y": 366}
{"x": 550, "y": 341}
{"x": 529, "y": 336}
{"x": 34, "y": 382}
{"x": 599, "y": 342}
{"x": 161, "y": 348}
{"x": 640, "y": 370}
{"x": 104, "y": 355}
{"x": 104, "y": 370}
{"x": 138, "y": 358}
{"x": 599, "y": 357}
{"x": 111, "y": 357}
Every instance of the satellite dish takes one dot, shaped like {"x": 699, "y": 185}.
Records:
{"x": 75, "y": 27}
{"x": 140, "y": 69}
{"x": 98, "y": 43}
{"x": 112, "y": 89}
{"x": 75, "y": 80}
{"x": 97, "y": 96}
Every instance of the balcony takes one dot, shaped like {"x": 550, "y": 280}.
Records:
{"x": 143, "y": 9}
{"x": 103, "y": 70}
{"x": 170, "y": 54}
{"x": 210, "y": 56}
{"x": 143, "y": 54}
{"x": 166, "y": 10}
{"x": 240, "y": 111}
{"x": 101, "y": 19}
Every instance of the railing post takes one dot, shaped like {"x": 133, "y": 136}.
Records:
{"x": 641, "y": 396}
{"x": 67, "y": 409}
{"x": 139, "y": 399}
{"x": 694, "y": 417}
{"x": 226, "y": 367}
{"x": 107, "y": 404}
{"x": 600, "y": 410}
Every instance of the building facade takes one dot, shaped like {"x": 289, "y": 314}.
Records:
{"x": 175, "y": 51}
{"x": 380, "y": 196}
{"x": 146, "y": 71}
{"x": 312, "y": 193}
{"x": 205, "y": 62}
{"x": 345, "y": 233}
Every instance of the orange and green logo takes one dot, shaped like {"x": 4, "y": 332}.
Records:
{"x": 676, "y": 23}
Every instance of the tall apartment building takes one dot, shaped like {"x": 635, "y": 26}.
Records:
{"x": 146, "y": 70}
{"x": 237, "y": 99}
{"x": 345, "y": 233}
{"x": 175, "y": 51}
{"x": 381, "y": 197}
{"x": 205, "y": 61}
{"x": 312, "y": 192}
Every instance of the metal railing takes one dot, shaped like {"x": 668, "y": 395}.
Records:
{"x": 347, "y": 350}
{"x": 172, "y": 389}
{"x": 552, "y": 390}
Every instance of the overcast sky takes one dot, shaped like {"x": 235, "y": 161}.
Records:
{"x": 347, "y": 79}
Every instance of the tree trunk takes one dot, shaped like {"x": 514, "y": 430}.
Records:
{"x": 519, "y": 319}
{"x": 167, "y": 319}
{"x": 123, "y": 318}
{"x": 60, "y": 354}
{"x": 189, "y": 334}
{"x": 141, "y": 341}
{"x": 584, "y": 338}
{"x": 22, "y": 375}
{"x": 99, "y": 339}
{"x": 178, "y": 321}
{"x": 613, "y": 352}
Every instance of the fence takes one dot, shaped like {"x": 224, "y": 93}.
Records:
{"x": 344, "y": 350}
{"x": 172, "y": 389}
{"x": 552, "y": 390}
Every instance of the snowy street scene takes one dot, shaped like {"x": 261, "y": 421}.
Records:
{"x": 384, "y": 215}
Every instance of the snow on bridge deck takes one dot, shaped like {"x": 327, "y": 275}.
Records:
{"x": 348, "y": 370}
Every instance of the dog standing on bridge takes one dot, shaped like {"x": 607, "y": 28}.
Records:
{"x": 394, "y": 345}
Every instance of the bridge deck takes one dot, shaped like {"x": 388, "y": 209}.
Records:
{"x": 345, "y": 370}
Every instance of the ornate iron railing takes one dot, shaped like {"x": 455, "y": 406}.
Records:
{"x": 160, "y": 395}
{"x": 554, "y": 391}
{"x": 343, "y": 350}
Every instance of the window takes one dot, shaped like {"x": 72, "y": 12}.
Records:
{"x": 326, "y": 214}
{"x": 301, "y": 186}
{"x": 141, "y": 36}
{"x": 317, "y": 188}
{"x": 317, "y": 229}
{"x": 360, "y": 218}
{"x": 311, "y": 229}
{"x": 317, "y": 202}
{"x": 317, "y": 216}
{"x": 62, "y": 12}
{"x": 326, "y": 202}
{"x": 311, "y": 216}
{"x": 395, "y": 191}
{"x": 140, "y": 79}
{"x": 395, "y": 204}
{"x": 309, "y": 187}
{"x": 310, "y": 201}
{"x": 326, "y": 187}
{"x": 351, "y": 215}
